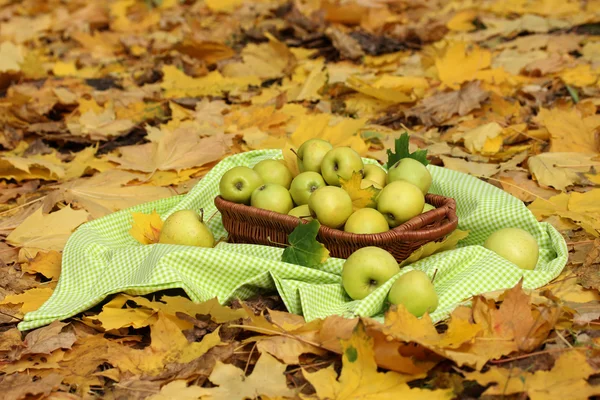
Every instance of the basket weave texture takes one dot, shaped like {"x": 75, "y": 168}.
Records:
{"x": 246, "y": 224}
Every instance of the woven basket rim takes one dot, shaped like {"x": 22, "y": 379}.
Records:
{"x": 414, "y": 229}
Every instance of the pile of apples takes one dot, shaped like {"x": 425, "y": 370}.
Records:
{"x": 316, "y": 193}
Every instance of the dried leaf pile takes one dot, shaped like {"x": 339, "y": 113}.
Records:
{"x": 105, "y": 105}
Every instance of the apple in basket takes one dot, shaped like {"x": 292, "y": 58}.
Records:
{"x": 410, "y": 170}
{"x": 375, "y": 174}
{"x": 340, "y": 162}
{"x": 238, "y": 183}
{"x": 274, "y": 171}
{"x": 330, "y": 205}
{"x": 304, "y": 184}
{"x": 185, "y": 227}
{"x": 400, "y": 201}
{"x": 310, "y": 154}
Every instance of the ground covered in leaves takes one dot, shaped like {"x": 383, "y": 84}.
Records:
{"x": 104, "y": 105}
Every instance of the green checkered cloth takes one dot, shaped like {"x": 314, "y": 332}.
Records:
{"x": 102, "y": 258}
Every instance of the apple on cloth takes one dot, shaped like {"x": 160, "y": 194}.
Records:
{"x": 115, "y": 262}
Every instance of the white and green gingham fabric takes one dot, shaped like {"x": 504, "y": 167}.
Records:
{"x": 101, "y": 258}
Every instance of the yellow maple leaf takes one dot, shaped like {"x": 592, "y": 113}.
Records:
{"x": 567, "y": 379}
{"x": 360, "y": 379}
{"x": 462, "y": 21}
{"x": 460, "y": 62}
{"x": 47, "y": 264}
{"x": 267, "y": 378}
{"x": 382, "y": 93}
{"x": 173, "y": 150}
{"x": 46, "y": 231}
{"x": 31, "y": 299}
{"x": 569, "y": 131}
{"x": 361, "y": 198}
{"x": 177, "y": 84}
{"x": 11, "y": 57}
{"x": 145, "y": 228}
{"x": 430, "y": 248}
{"x": 337, "y": 131}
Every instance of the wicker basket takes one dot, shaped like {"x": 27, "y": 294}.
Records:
{"x": 247, "y": 224}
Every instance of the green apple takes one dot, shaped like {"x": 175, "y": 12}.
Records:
{"x": 400, "y": 201}
{"x": 375, "y": 174}
{"x": 366, "y": 220}
{"x": 274, "y": 171}
{"x": 310, "y": 154}
{"x": 272, "y": 197}
{"x": 516, "y": 245}
{"x": 185, "y": 227}
{"x": 415, "y": 291}
{"x": 412, "y": 171}
{"x": 366, "y": 269}
{"x": 303, "y": 185}
{"x": 301, "y": 212}
{"x": 427, "y": 207}
{"x": 238, "y": 183}
{"x": 340, "y": 162}
{"x": 366, "y": 183}
{"x": 330, "y": 205}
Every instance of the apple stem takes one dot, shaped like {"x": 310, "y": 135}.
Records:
{"x": 434, "y": 274}
{"x": 294, "y": 151}
{"x": 281, "y": 244}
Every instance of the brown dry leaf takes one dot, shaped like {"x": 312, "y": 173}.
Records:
{"x": 9, "y": 193}
{"x": 174, "y": 150}
{"x": 347, "y": 46}
{"x": 589, "y": 271}
{"x": 567, "y": 379}
{"x": 46, "y": 231}
{"x": 469, "y": 167}
{"x": 47, "y": 264}
{"x": 361, "y": 198}
{"x": 10, "y": 345}
{"x": 516, "y": 320}
{"x": 519, "y": 185}
{"x": 20, "y": 386}
{"x": 108, "y": 192}
{"x": 560, "y": 170}
{"x": 48, "y": 339}
{"x": 102, "y": 125}
{"x": 440, "y": 107}
{"x": 145, "y": 228}
{"x": 360, "y": 379}
{"x": 265, "y": 61}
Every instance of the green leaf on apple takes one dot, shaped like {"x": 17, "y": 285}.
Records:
{"x": 304, "y": 249}
{"x": 361, "y": 198}
{"x": 401, "y": 148}
{"x": 430, "y": 248}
